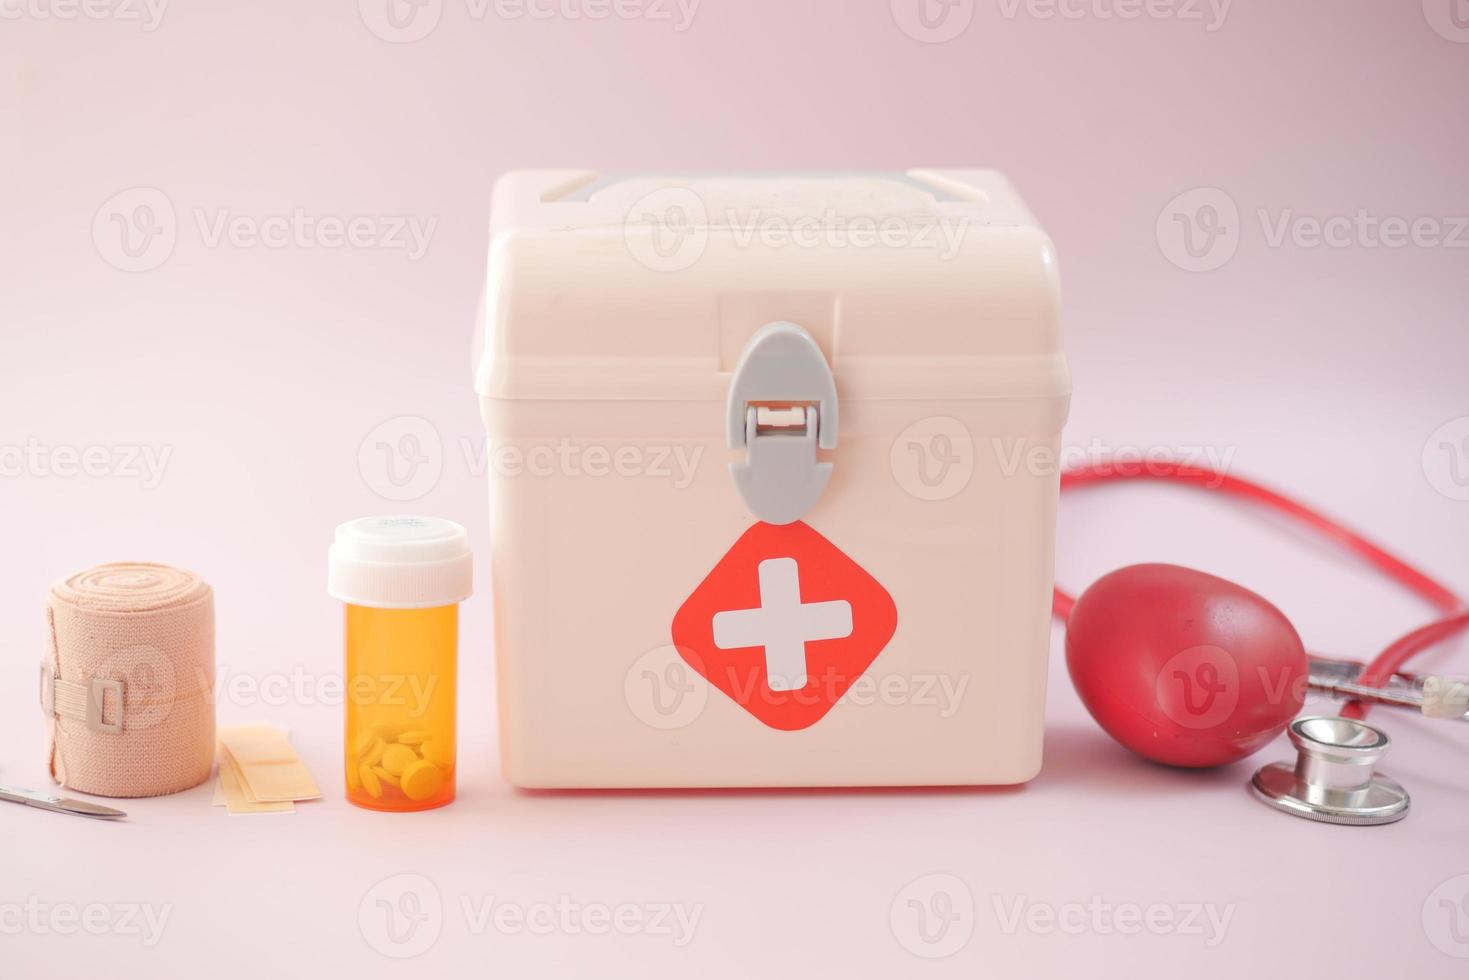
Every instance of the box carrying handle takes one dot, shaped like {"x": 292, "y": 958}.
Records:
{"x": 782, "y": 407}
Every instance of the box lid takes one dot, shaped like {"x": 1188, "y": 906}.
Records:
{"x": 924, "y": 284}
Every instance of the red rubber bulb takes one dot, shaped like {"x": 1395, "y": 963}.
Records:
{"x": 1184, "y": 668}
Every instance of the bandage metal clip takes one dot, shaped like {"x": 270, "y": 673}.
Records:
{"x": 82, "y": 701}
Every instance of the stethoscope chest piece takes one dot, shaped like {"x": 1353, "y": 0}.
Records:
{"x": 1334, "y": 778}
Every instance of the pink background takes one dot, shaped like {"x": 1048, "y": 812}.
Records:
{"x": 1326, "y": 370}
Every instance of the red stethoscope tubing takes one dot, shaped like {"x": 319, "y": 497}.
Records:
{"x": 1385, "y": 664}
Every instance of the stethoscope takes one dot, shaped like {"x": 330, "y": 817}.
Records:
{"x": 1191, "y": 670}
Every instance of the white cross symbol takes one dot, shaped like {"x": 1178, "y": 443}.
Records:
{"x": 782, "y": 624}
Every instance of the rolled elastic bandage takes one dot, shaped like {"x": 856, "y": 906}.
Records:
{"x": 127, "y": 682}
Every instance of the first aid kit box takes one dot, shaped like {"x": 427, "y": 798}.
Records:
{"x": 773, "y": 473}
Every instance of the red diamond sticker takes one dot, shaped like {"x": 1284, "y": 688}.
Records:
{"x": 785, "y": 624}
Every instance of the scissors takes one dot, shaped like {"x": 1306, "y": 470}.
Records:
{"x": 58, "y": 804}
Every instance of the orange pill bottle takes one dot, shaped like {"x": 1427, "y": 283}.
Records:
{"x": 402, "y": 579}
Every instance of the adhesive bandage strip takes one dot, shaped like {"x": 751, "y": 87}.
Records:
{"x": 269, "y": 769}
{"x": 231, "y": 790}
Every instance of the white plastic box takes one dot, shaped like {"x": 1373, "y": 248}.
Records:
{"x": 896, "y": 423}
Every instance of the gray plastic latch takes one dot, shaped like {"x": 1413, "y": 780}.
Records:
{"x": 782, "y": 407}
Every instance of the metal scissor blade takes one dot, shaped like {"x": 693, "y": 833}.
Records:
{"x": 59, "y": 804}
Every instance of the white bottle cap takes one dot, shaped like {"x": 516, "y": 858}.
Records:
{"x": 400, "y": 563}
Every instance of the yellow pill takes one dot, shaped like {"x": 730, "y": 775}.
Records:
{"x": 354, "y": 779}
{"x": 396, "y": 758}
{"x": 387, "y": 733}
{"x": 370, "y": 781}
{"x": 385, "y": 776}
{"x": 438, "y": 752}
{"x": 422, "y": 780}
{"x": 363, "y": 745}
{"x": 374, "y": 753}
{"x": 414, "y": 737}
